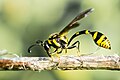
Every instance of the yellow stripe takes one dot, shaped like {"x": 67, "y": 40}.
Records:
{"x": 56, "y": 43}
{"x": 100, "y": 40}
{"x": 64, "y": 39}
{"x": 104, "y": 45}
{"x": 95, "y": 35}
{"x": 49, "y": 41}
{"x": 86, "y": 32}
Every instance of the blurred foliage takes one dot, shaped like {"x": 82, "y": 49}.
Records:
{"x": 22, "y": 22}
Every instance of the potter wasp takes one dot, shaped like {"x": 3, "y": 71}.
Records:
{"x": 60, "y": 42}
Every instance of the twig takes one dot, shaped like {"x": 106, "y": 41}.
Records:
{"x": 65, "y": 63}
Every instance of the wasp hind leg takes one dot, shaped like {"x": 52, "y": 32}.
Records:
{"x": 74, "y": 46}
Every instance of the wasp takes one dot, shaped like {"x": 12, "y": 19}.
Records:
{"x": 60, "y": 42}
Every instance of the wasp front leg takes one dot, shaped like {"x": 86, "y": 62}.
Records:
{"x": 74, "y": 46}
{"x": 49, "y": 54}
{"x": 56, "y": 52}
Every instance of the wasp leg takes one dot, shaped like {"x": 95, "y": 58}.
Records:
{"x": 58, "y": 52}
{"x": 65, "y": 50}
{"x": 55, "y": 52}
{"x": 50, "y": 54}
{"x": 74, "y": 46}
{"x": 57, "y": 55}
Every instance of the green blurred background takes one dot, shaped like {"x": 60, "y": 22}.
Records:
{"x": 22, "y": 22}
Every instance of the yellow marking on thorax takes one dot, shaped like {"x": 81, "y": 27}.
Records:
{"x": 100, "y": 40}
{"x": 95, "y": 35}
{"x": 64, "y": 39}
{"x": 86, "y": 32}
{"x": 56, "y": 43}
{"x": 49, "y": 41}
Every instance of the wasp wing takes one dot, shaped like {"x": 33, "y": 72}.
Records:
{"x": 74, "y": 23}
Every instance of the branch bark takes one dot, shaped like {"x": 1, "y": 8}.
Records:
{"x": 65, "y": 63}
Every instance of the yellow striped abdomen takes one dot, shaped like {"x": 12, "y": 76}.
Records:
{"x": 101, "y": 40}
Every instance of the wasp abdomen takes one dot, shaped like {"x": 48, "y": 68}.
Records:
{"x": 101, "y": 40}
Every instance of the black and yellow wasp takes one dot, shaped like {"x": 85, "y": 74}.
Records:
{"x": 59, "y": 41}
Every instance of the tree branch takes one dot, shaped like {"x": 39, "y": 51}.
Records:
{"x": 65, "y": 63}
